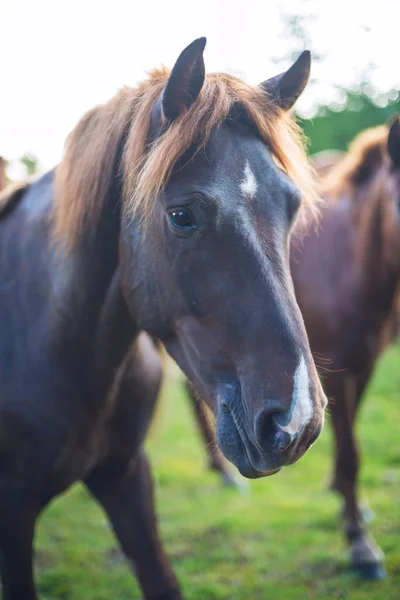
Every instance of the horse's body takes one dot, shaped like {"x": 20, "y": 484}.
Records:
{"x": 59, "y": 417}
{"x": 346, "y": 274}
{"x": 167, "y": 214}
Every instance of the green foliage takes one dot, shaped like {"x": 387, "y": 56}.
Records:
{"x": 334, "y": 127}
{"x": 31, "y": 164}
{"x": 282, "y": 540}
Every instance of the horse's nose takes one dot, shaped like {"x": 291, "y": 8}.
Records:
{"x": 269, "y": 434}
{"x": 280, "y": 422}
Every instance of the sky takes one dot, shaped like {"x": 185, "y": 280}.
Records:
{"x": 58, "y": 58}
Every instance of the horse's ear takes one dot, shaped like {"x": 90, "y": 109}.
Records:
{"x": 287, "y": 87}
{"x": 393, "y": 143}
{"x": 185, "y": 81}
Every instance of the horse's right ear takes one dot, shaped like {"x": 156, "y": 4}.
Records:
{"x": 185, "y": 81}
{"x": 393, "y": 143}
{"x": 285, "y": 88}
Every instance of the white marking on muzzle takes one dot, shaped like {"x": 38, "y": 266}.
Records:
{"x": 249, "y": 182}
{"x": 301, "y": 401}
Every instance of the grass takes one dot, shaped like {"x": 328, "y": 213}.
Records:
{"x": 281, "y": 540}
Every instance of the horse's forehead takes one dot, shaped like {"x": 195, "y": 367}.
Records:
{"x": 234, "y": 161}
{"x": 230, "y": 147}
{"x": 245, "y": 166}
{"x": 234, "y": 166}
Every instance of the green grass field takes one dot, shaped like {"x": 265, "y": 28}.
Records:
{"x": 281, "y": 540}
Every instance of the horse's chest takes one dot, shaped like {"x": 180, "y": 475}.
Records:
{"x": 112, "y": 433}
{"x": 77, "y": 457}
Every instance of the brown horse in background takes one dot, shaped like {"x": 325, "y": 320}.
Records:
{"x": 346, "y": 276}
{"x": 347, "y": 281}
{"x": 324, "y": 161}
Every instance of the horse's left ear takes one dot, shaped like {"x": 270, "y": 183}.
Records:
{"x": 185, "y": 81}
{"x": 393, "y": 143}
{"x": 288, "y": 86}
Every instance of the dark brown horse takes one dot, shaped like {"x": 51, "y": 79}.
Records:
{"x": 347, "y": 282}
{"x": 170, "y": 213}
{"x": 346, "y": 275}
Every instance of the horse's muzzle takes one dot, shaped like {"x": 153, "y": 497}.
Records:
{"x": 267, "y": 447}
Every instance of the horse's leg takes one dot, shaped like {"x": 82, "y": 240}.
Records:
{"x": 124, "y": 489}
{"x": 216, "y": 461}
{"x": 345, "y": 392}
{"x": 122, "y": 482}
{"x": 18, "y": 514}
{"x": 361, "y": 382}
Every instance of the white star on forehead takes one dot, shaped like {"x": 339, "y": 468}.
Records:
{"x": 248, "y": 184}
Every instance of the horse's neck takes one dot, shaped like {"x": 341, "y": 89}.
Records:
{"x": 92, "y": 323}
{"x": 114, "y": 335}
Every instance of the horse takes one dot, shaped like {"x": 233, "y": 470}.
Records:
{"x": 169, "y": 218}
{"x": 3, "y": 176}
{"x": 324, "y": 161}
{"x": 346, "y": 275}
{"x": 349, "y": 299}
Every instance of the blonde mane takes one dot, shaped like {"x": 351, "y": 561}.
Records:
{"x": 365, "y": 155}
{"x": 85, "y": 174}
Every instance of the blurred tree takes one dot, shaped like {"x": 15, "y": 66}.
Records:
{"x": 335, "y": 126}
{"x": 31, "y": 164}
{"x": 297, "y": 33}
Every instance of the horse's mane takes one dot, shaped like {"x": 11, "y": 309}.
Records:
{"x": 85, "y": 174}
{"x": 365, "y": 155}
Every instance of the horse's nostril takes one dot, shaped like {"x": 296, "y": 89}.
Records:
{"x": 265, "y": 426}
{"x": 269, "y": 433}
{"x": 283, "y": 439}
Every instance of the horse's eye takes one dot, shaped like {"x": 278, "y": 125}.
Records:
{"x": 183, "y": 219}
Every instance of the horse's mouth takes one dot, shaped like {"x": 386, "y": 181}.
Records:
{"x": 256, "y": 473}
{"x": 235, "y": 445}
{"x": 246, "y": 468}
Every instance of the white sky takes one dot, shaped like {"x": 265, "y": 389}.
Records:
{"x": 61, "y": 57}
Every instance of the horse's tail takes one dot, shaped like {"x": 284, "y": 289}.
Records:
{"x": 11, "y": 196}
